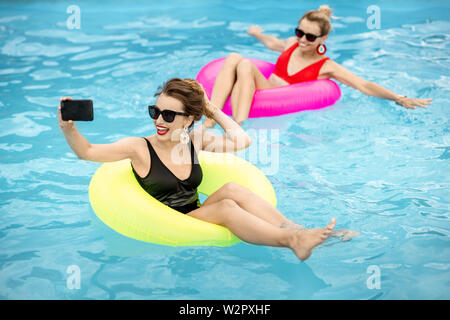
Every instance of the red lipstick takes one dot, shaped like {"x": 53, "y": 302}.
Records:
{"x": 160, "y": 130}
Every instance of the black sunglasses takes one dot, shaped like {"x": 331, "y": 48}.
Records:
{"x": 310, "y": 37}
{"x": 168, "y": 115}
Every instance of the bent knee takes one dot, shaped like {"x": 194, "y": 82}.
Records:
{"x": 245, "y": 67}
{"x": 234, "y": 56}
{"x": 233, "y": 60}
{"x": 231, "y": 188}
{"x": 227, "y": 204}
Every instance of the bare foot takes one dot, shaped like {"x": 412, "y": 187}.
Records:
{"x": 303, "y": 241}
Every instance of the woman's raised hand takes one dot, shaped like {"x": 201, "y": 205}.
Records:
{"x": 210, "y": 108}
{"x": 412, "y": 103}
{"x": 254, "y": 30}
{"x": 65, "y": 125}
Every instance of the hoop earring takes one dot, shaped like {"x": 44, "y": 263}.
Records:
{"x": 321, "y": 49}
{"x": 184, "y": 136}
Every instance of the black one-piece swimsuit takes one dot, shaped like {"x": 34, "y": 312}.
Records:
{"x": 164, "y": 186}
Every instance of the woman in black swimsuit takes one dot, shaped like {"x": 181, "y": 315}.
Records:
{"x": 166, "y": 166}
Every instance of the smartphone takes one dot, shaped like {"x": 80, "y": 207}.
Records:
{"x": 77, "y": 110}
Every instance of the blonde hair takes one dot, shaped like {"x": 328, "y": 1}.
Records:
{"x": 321, "y": 16}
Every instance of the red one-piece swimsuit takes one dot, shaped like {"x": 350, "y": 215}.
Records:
{"x": 309, "y": 73}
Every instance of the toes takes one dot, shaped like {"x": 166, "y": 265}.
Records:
{"x": 332, "y": 224}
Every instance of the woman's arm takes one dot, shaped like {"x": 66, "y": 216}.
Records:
{"x": 341, "y": 74}
{"x": 119, "y": 150}
{"x": 235, "y": 138}
{"x": 271, "y": 42}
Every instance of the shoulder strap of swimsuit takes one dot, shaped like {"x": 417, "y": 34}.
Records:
{"x": 154, "y": 155}
{"x": 152, "y": 151}
{"x": 318, "y": 65}
{"x": 288, "y": 53}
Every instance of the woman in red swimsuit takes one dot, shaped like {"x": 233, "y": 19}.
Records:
{"x": 302, "y": 60}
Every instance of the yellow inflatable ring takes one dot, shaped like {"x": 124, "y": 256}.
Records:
{"x": 120, "y": 202}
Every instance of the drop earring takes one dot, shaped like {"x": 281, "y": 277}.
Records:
{"x": 184, "y": 136}
{"x": 321, "y": 49}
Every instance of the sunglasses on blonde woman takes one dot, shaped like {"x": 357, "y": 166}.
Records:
{"x": 309, "y": 36}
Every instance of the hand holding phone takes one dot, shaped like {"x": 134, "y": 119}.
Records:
{"x": 65, "y": 125}
{"x": 76, "y": 110}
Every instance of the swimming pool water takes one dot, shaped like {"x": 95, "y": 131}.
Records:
{"x": 376, "y": 167}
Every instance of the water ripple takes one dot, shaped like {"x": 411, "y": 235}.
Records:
{"x": 425, "y": 231}
{"x": 60, "y": 225}
{"x": 47, "y": 74}
{"x": 21, "y": 256}
{"x": 363, "y": 259}
{"x": 21, "y": 125}
{"x": 438, "y": 266}
{"x": 12, "y": 172}
{"x": 17, "y": 47}
{"x": 97, "y": 64}
{"x": 15, "y": 70}
{"x": 13, "y": 18}
{"x": 97, "y": 53}
{"x": 80, "y": 37}
{"x": 43, "y": 101}
{"x": 18, "y": 147}
{"x": 53, "y": 276}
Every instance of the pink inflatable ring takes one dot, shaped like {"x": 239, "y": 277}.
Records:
{"x": 309, "y": 95}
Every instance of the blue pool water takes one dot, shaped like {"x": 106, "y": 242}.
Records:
{"x": 378, "y": 168}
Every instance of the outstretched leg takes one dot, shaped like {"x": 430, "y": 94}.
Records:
{"x": 249, "y": 201}
{"x": 254, "y": 204}
{"x": 252, "y": 229}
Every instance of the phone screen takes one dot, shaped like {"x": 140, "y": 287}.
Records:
{"x": 77, "y": 110}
